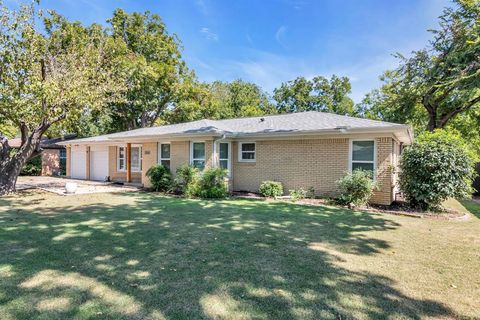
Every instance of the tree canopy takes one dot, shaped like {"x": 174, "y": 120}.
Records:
{"x": 317, "y": 94}
{"x": 436, "y": 84}
{"x": 51, "y": 71}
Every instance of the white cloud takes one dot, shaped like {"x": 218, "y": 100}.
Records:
{"x": 279, "y": 35}
{"x": 208, "y": 34}
{"x": 202, "y": 7}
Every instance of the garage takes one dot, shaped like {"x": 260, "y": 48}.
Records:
{"x": 78, "y": 162}
{"x": 98, "y": 163}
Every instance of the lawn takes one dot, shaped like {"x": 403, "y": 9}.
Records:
{"x": 144, "y": 256}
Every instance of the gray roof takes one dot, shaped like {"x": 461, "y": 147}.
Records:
{"x": 284, "y": 124}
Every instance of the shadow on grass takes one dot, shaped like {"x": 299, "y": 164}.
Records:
{"x": 473, "y": 206}
{"x": 166, "y": 258}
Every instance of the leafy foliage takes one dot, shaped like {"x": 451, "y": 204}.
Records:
{"x": 220, "y": 100}
{"x": 356, "y": 188}
{"x": 437, "y": 166}
{"x": 185, "y": 178}
{"x": 271, "y": 189}
{"x": 436, "y": 84}
{"x": 298, "y": 194}
{"x": 33, "y": 167}
{"x": 211, "y": 184}
{"x": 160, "y": 177}
{"x": 318, "y": 94}
{"x": 150, "y": 68}
{"x": 52, "y": 70}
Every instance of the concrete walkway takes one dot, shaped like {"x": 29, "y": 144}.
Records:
{"x": 57, "y": 185}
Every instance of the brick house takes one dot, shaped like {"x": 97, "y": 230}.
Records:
{"x": 308, "y": 149}
{"x": 53, "y": 155}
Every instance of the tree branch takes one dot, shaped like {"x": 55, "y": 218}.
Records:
{"x": 447, "y": 116}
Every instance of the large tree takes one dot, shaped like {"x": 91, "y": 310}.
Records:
{"x": 435, "y": 85}
{"x": 220, "y": 100}
{"x": 152, "y": 69}
{"x": 51, "y": 71}
{"x": 317, "y": 94}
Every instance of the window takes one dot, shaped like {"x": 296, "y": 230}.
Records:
{"x": 224, "y": 155}
{"x": 63, "y": 162}
{"x": 164, "y": 154}
{"x": 363, "y": 155}
{"x": 246, "y": 152}
{"x": 121, "y": 159}
{"x": 197, "y": 155}
{"x": 136, "y": 161}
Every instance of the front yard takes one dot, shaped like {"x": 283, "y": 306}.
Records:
{"x": 144, "y": 256}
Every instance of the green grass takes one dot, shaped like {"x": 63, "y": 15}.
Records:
{"x": 144, "y": 256}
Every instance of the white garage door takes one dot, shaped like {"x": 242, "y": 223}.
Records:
{"x": 78, "y": 165}
{"x": 98, "y": 162}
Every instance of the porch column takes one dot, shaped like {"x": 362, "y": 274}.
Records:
{"x": 129, "y": 162}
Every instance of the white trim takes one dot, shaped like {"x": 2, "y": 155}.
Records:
{"x": 139, "y": 146}
{"x": 350, "y": 155}
{"x": 229, "y": 159}
{"x": 204, "y": 153}
{"x": 159, "y": 153}
{"x": 124, "y": 159}
{"x": 240, "y": 159}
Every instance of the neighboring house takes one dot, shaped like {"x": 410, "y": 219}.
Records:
{"x": 54, "y": 155}
{"x": 309, "y": 149}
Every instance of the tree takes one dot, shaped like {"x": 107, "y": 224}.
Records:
{"x": 151, "y": 68}
{"x": 443, "y": 79}
{"x": 51, "y": 70}
{"x": 219, "y": 100}
{"x": 318, "y": 94}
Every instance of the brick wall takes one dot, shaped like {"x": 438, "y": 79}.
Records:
{"x": 316, "y": 163}
{"x": 50, "y": 162}
{"x": 149, "y": 158}
{"x": 296, "y": 163}
{"x": 384, "y": 171}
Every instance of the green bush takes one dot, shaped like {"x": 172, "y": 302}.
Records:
{"x": 437, "y": 166}
{"x": 160, "y": 177}
{"x": 271, "y": 189}
{"x": 185, "y": 179}
{"x": 298, "y": 194}
{"x": 356, "y": 188}
{"x": 33, "y": 167}
{"x": 211, "y": 184}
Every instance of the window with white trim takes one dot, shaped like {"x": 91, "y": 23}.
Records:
{"x": 136, "y": 161}
{"x": 363, "y": 155}
{"x": 121, "y": 159}
{"x": 164, "y": 154}
{"x": 246, "y": 152}
{"x": 224, "y": 155}
{"x": 136, "y": 153}
{"x": 197, "y": 155}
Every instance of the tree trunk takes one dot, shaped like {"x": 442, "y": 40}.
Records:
{"x": 9, "y": 172}
{"x": 11, "y": 165}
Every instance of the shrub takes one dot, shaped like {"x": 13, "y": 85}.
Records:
{"x": 211, "y": 184}
{"x": 160, "y": 178}
{"x": 185, "y": 179}
{"x": 33, "y": 167}
{"x": 271, "y": 189}
{"x": 437, "y": 166}
{"x": 298, "y": 194}
{"x": 356, "y": 188}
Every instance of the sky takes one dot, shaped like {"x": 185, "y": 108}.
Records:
{"x": 272, "y": 41}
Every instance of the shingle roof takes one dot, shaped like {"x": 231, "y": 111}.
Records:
{"x": 293, "y": 123}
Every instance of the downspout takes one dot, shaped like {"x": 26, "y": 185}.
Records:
{"x": 215, "y": 157}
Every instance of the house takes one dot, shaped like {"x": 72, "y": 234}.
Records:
{"x": 54, "y": 155}
{"x": 308, "y": 149}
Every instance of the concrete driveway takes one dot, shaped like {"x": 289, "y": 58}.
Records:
{"x": 57, "y": 185}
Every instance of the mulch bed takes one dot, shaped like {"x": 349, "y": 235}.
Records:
{"x": 396, "y": 208}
